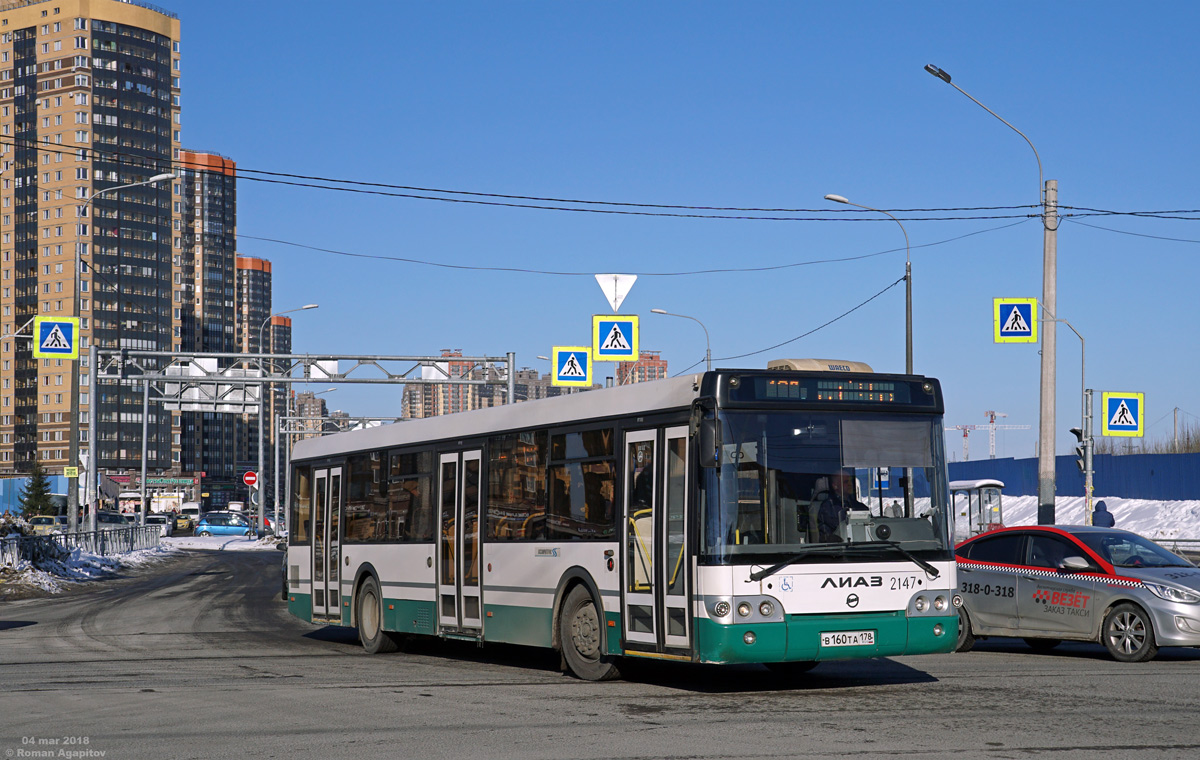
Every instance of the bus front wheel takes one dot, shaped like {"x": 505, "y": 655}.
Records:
{"x": 581, "y": 635}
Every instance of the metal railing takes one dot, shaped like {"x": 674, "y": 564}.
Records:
{"x": 1186, "y": 546}
{"x": 108, "y": 542}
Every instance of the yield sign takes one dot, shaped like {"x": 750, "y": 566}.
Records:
{"x": 616, "y": 287}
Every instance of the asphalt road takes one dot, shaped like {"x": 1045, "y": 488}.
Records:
{"x": 197, "y": 658}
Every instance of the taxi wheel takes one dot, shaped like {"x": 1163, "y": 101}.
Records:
{"x": 966, "y": 639}
{"x": 1128, "y": 634}
{"x": 1042, "y": 645}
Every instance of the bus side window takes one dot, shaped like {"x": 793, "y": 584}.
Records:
{"x": 302, "y": 506}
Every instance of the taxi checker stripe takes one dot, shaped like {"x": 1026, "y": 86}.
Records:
{"x": 1044, "y": 573}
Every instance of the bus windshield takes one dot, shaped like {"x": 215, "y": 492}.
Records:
{"x": 789, "y": 482}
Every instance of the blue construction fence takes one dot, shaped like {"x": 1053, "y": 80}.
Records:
{"x": 1163, "y": 477}
{"x": 12, "y": 488}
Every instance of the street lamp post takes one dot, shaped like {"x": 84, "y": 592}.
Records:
{"x": 908, "y": 325}
{"x": 1048, "y": 192}
{"x": 76, "y": 308}
{"x": 707, "y": 345}
{"x": 262, "y": 409}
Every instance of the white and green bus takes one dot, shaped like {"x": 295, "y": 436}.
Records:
{"x": 706, "y": 518}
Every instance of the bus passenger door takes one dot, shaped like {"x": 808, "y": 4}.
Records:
{"x": 656, "y": 558}
{"x": 327, "y": 496}
{"x": 458, "y": 548}
{"x": 677, "y": 567}
{"x": 640, "y": 613}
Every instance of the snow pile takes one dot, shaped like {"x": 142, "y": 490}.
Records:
{"x": 1156, "y": 520}
{"x": 53, "y": 574}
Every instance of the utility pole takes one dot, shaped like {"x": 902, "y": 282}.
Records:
{"x": 1046, "y": 447}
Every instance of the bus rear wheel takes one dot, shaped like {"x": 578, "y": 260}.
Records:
{"x": 370, "y": 620}
{"x": 581, "y": 636}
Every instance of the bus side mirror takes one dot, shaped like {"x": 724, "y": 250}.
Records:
{"x": 708, "y": 442}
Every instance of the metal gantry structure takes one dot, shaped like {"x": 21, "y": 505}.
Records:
{"x": 233, "y": 383}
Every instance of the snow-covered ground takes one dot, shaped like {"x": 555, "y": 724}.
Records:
{"x": 219, "y": 543}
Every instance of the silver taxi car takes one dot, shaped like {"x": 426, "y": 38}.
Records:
{"x": 1049, "y": 583}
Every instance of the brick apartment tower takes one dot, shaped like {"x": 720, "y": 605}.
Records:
{"x": 89, "y": 100}
{"x": 649, "y": 366}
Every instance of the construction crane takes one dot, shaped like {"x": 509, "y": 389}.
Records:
{"x": 993, "y": 427}
{"x": 966, "y": 432}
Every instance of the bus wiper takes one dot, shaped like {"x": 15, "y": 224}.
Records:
{"x": 928, "y": 568}
{"x": 758, "y": 575}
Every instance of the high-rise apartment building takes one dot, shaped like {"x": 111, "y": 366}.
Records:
{"x": 89, "y": 102}
{"x": 649, "y": 366}
{"x": 257, "y": 331}
{"x": 311, "y": 407}
{"x": 204, "y": 313}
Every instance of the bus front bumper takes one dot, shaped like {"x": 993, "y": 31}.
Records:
{"x": 801, "y": 637}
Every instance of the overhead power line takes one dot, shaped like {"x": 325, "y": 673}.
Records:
{"x": 1134, "y": 234}
{"x": 590, "y": 273}
{"x": 844, "y": 314}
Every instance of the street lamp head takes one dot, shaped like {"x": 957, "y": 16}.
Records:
{"x": 310, "y": 306}
{"x": 939, "y": 73}
{"x": 836, "y": 198}
{"x": 161, "y": 177}
{"x": 658, "y": 311}
{"x": 543, "y": 358}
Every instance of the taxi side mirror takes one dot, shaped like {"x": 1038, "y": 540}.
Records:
{"x": 1074, "y": 563}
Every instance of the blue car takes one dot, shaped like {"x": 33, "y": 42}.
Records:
{"x": 223, "y": 524}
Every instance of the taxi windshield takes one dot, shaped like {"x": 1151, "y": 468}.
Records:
{"x": 790, "y": 482}
{"x": 1122, "y": 549}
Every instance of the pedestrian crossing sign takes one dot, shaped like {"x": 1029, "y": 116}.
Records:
{"x": 572, "y": 367}
{"x": 56, "y": 338}
{"x": 1014, "y": 320}
{"x": 1123, "y": 414}
{"x": 614, "y": 338}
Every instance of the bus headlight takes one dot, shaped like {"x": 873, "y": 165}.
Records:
{"x": 939, "y": 603}
{"x": 957, "y": 601}
{"x": 721, "y": 609}
{"x": 920, "y": 604}
{"x": 749, "y": 637}
{"x": 766, "y": 609}
{"x": 744, "y": 609}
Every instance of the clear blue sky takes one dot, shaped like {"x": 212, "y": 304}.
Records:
{"x": 720, "y": 104}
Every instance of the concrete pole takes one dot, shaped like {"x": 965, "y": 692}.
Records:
{"x": 1089, "y": 469}
{"x": 93, "y": 481}
{"x": 145, "y": 446}
{"x": 512, "y": 377}
{"x": 1046, "y": 447}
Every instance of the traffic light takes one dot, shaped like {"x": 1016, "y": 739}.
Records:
{"x": 1080, "y": 449}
